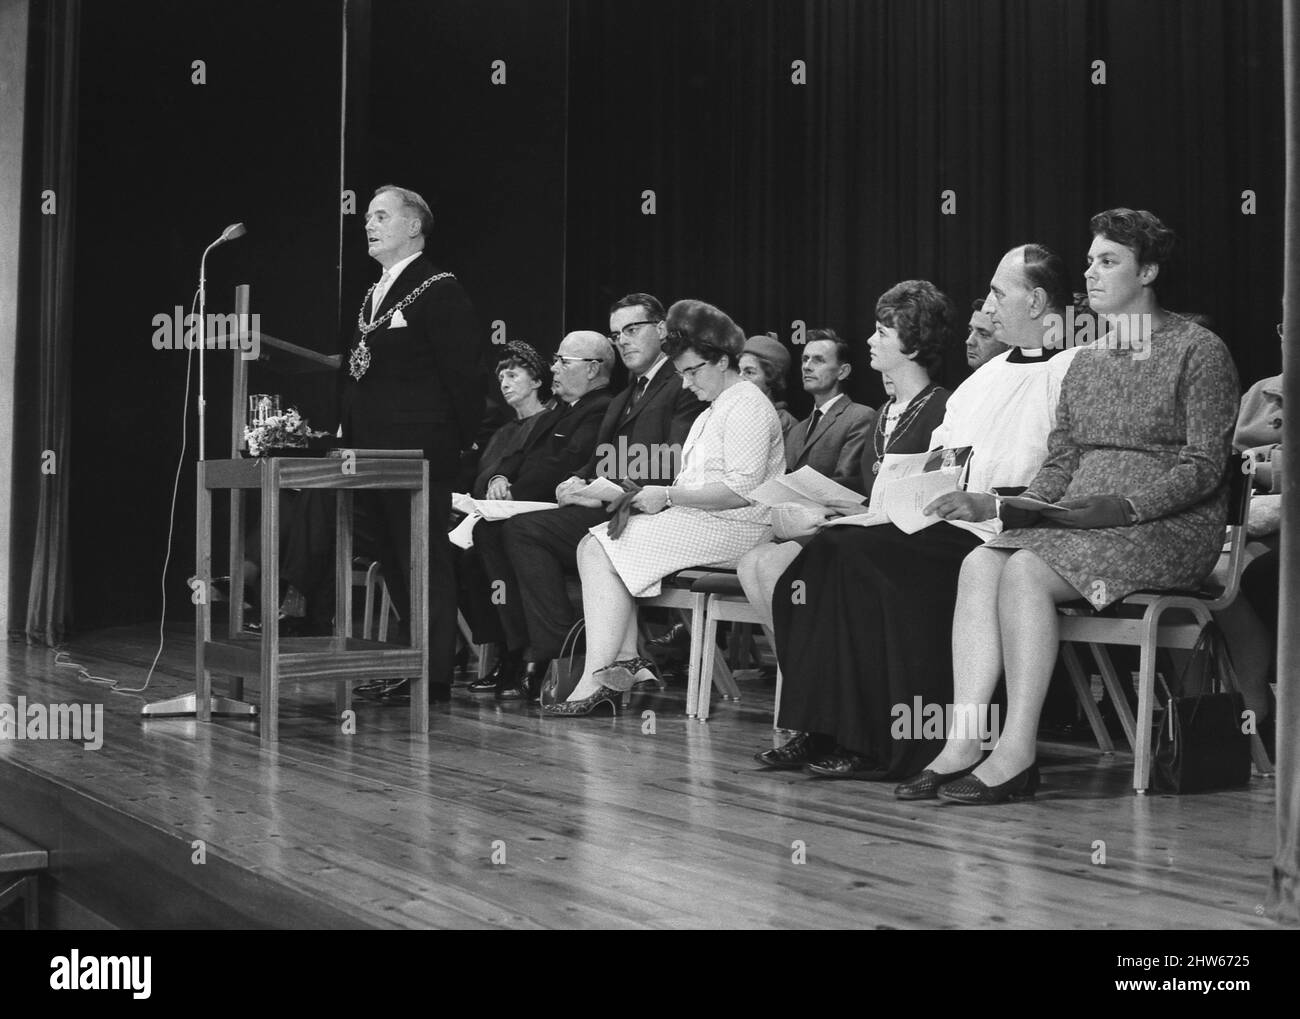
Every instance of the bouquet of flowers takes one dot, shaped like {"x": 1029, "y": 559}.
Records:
{"x": 280, "y": 431}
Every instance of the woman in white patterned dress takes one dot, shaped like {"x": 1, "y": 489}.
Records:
{"x": 705, "y": 518}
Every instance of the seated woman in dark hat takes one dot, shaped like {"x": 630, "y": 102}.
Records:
{"x": 766, "y": 363}
{"x": 525, "y": 382}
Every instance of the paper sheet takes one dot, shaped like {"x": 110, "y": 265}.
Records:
{"x": 806, "y": 487}
{"x": 602, "y": 489}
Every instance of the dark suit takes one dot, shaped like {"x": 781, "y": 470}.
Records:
{"x": 835, "y": 446}
{"x": 560, "y": 442}
{"x": 424, "y": 390}
{"x": 542, "y": 545}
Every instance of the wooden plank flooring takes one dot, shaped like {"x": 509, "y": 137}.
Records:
{"x": 604, "y": 825}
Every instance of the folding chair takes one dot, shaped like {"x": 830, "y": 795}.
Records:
{"x": 726, "y": 603}
{"x": 1139, "y": 620}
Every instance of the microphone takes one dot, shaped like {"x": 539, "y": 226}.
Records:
{"x": 230, "y": 233}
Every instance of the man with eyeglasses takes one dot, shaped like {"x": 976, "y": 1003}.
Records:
{"x": 560, "y": 443}
{"x": 651, "y": 416}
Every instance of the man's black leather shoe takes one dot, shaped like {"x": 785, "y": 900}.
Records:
{"x": 400, "y": 692}
{"x": 501, "y": 677}
{"x": 527, "y": 683}
{"x": 676, "y": 641}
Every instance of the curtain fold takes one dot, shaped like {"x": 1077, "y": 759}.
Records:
{"x": 805, "y": 156}
{"x": 48, "y": 596}
{"x": 1285, "y": 897}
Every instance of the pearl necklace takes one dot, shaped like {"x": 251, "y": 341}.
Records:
{"x": 878, "y": 443}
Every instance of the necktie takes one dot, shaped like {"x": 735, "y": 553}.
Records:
{"x": 812, "y": 425}
{"x": 637, "y": 393}
{"x": 377, "y": 298}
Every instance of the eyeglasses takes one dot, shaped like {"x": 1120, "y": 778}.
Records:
{"x": 566, "y": 360}
{"x": 628, "y": 330}
{"x": 689, "y": 373}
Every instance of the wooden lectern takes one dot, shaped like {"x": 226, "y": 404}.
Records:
{"x": 340, "y": 658}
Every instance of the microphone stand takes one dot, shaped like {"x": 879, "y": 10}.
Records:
{"x": 230, "y": 233}
{"x": 187, "y": 704}
{"x": 203, "y": 307}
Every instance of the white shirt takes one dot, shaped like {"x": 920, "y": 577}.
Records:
{"x": 828, "y": 404}
{"x": 650, "y": 373}
{"x": 381, "y": 290}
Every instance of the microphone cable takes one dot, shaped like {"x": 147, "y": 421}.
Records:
{"x": 60, "y": 652}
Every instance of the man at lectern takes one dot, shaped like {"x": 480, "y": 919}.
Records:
{"x": 414, "y": 378}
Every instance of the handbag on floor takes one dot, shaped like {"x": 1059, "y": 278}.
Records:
{"x": 1200, "y": 745}
{"x": 566, "y": 670}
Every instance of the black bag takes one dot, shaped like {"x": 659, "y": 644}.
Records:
{"x": 565, "y": 671}
{"x": 1201, "y": 745}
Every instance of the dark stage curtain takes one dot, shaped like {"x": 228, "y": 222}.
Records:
{"x": 1286, "y": 864}
{"x": 783, "y": 202}
{"x": 166, "y": 159}
{"x": 44, "y": 467}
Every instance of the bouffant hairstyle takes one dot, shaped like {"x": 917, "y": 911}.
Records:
{"x": 705, "y": 329}
{"x": 925, "y": 318}
{"x": 1150, "y": 239}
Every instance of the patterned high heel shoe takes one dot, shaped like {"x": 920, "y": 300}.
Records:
{"x": 615, "y": 680}
{"x": 639, "y": 666}
{"x": 579, "y": 709}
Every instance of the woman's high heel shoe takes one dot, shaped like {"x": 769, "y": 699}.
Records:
{"x": 578, "y": 709}
{"x": 971, "y": 790}
{"x": 925, "y": 786}
{"x": 636, "y": 666}
{"x": 615, "y": 680}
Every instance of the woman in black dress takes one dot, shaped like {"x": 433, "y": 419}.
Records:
{"x": 864, "y": 614}
{"x": 908, "y": 353}
{"x": 525, "y": 381}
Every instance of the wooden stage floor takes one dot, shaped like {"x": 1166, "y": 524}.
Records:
{"x": 601, "y": 824}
